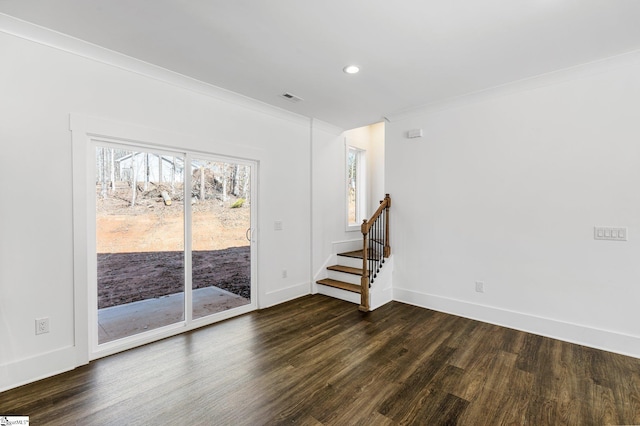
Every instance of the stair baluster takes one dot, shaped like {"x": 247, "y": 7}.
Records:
{"x": 375, "y": 247}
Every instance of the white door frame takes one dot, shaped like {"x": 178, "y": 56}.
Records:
{"x": 88, "y": 132}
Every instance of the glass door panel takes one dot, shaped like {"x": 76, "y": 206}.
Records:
{"x": 220, "y": 235}
{"x": 139, "y": 241}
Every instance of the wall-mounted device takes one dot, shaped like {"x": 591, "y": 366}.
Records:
{"x": 414, "y": 133}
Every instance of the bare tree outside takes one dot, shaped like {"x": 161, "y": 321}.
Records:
{"x": 112, "y": 170}
{"x": 236, "y": 180}
{"x": 225, "y": 181}
{"x": 101, "y": 160}
{"x": 146, "y": 171}
{"x": 173, "y": 176}
{"x": 134, "y": 179}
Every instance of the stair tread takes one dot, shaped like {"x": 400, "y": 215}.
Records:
{"x": 357, "y": 254}
{"x": 340, "y": 284}
{"x": 345, "y": 269}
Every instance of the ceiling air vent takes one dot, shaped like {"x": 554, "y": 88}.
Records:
{"x": 291, "y": 97}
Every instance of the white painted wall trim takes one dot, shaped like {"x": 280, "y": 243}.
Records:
{"x": 326, "y": 127}
{"x": 313, "y": 124}
{"x": 282, "y": 295}
{"x": 80, "y": 154}
{"x": 154, "y": 137}
{"x": 36, "y": 368}
{"x": 573, "y": 333}
{"x": 47, "y": 37}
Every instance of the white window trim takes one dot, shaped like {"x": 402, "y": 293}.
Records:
{"x": 361, "y": 173}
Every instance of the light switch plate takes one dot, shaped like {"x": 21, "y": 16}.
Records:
{"x": 610, "y": 233}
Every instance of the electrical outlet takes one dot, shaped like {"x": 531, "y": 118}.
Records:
{"x": 284, "y": 273}
{"x": 479, "y": 286}
{"x": 42, "y": 325}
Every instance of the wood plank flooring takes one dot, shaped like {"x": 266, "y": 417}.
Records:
{"x": 317, "y": 360}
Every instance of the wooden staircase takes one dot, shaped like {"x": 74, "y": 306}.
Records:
{"x": 357, "y": 270}
{"x": 344, "y": 276}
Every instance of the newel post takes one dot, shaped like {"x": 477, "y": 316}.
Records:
{"x": 387, "y": 246}
{"x": 364, "y": 280}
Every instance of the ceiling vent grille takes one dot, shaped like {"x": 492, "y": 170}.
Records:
{"x": 291, "y": 97}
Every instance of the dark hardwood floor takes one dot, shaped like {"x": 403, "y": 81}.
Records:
{"x": 317, "y": 360}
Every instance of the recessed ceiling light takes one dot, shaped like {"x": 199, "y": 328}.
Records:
{"x": 351, "y": 69}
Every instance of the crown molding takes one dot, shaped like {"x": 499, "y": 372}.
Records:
{"x": 523, "y": 85}
{"x": 326, "y": 127}
{"x": 63, "y": 42}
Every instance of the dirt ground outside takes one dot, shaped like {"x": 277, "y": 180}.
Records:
{"x": 140, "y": 249}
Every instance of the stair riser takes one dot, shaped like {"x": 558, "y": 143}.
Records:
{"x": 347, "y": 278}
{"x": 350, "y": 261}
{"x": 338, "y": 293}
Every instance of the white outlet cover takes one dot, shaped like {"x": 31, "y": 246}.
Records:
{"x": 42, "y": 325}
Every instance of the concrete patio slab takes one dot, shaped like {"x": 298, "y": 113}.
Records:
{"x": 132, "y": 318}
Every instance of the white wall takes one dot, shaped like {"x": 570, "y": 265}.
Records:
{"x": 327, "y": 189}
{"x": 375, "y": 156}
{"x": 40, "y": 87}
{"x": 506, "y": 186}
{"x": 329, "y": 185}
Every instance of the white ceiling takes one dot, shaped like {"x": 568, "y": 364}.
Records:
{"x": 411, "y": 52}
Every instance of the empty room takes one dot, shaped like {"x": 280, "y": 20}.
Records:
{"x": 295, "y": 212}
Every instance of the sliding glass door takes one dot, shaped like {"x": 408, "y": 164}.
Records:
{"x": 173, "y": 241}
{"x": 221, "y": 235}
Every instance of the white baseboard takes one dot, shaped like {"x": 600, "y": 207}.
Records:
{"x": 32, "y": 369}
{"x": 573, "y": 333}
{"x": 284, "y": 295}
{"x": 381, "y": 298}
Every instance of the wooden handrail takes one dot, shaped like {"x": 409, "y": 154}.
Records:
{"x": 366, "y": 224}
{"x": 373, "y": 258}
